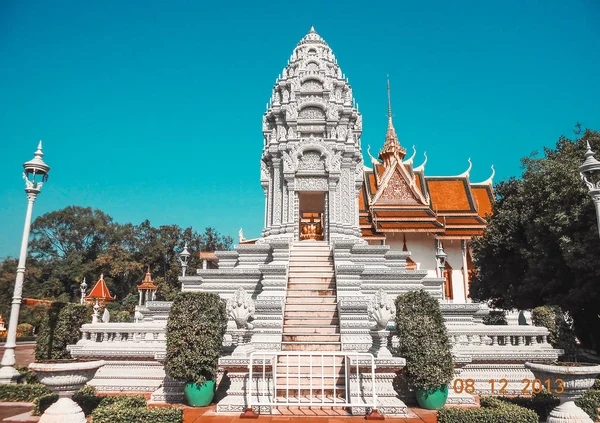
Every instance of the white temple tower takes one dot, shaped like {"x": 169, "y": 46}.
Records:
{"x": 311, "y": 165}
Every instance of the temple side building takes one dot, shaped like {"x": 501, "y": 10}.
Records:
{"x": 402, "y": 207}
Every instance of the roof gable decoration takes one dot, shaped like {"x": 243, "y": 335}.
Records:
{"x": 398, "y": 186}
{"x": 489, "y": 181}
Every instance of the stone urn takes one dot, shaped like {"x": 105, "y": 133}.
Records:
{"x": 569, "y": 381}
{"x": 64, "y": 379}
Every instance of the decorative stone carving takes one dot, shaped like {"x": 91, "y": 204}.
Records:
{"x": 332, "y": 112}
{"x": 312, "y": 113}
{"x": 311, "y": 161}
{"x": 291, "y": 133}
{"x": 397, "y": 190}
{"x": 265, "y": 125}
{"x": 264, "y": 171}
{"x": 288, "y": 162}
{"x": 311, "y": 184}
{"x": 292, "y": 111}
{"x": 342, "y": 131}
{"x": 281, "y": 133}
{"x": 358, "y": 123}
{"x": 381, "y": 308}
{"x": 335, "y": 162}
{"x": 240, "y": 308}
{"x": 286, "y": 95}
{"x": 312, "y": 85}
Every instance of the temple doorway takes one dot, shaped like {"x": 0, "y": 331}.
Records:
{"x": 312, "y": 215}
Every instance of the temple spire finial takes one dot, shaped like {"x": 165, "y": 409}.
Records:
{"x": 312, "y": 29}
{"x": 389, "y": 102}
{"x": 392, "y": 148}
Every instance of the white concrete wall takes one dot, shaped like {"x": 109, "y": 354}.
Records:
{"x": 422, "y": 251}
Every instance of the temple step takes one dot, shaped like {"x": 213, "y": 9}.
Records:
{"x": 296, "y": 329}
{"x": 311, "y": 299}
{"x": 305, "y": 369}
{"x": 305, "y": 291}
{"x": 311, "y": 306}
{"x": 303, "y": 360}
{"x": 310, "y": 259}
{"x": 311, "y": 321}
{"x": 310, "y": 346}
{"x": 305, "y": 382}
{"x": 298, "y": 314}
{"x": 311, "y": 337}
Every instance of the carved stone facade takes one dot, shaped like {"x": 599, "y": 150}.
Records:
{"x": 312, "y": 103}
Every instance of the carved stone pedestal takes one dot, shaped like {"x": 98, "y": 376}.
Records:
{"x": 361, "y": 387}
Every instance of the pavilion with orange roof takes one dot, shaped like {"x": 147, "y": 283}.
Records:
{"x": 99, "y": 293}
{"x": 402, "y": 207}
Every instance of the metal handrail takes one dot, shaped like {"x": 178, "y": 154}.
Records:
{"x": 262, "y": 357}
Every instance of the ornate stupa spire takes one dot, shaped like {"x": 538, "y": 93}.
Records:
{"x": 392, "y": 147}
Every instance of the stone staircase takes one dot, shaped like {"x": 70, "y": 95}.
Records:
{"x": 311, "y": 324}
{"x": 311, "y": 319}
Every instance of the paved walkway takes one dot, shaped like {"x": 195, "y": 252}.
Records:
{"x": 208, "y": 414}
{"x": 24, "y": 353}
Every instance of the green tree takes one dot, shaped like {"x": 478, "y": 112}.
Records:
{"x": 541, "y": 245}
{"x": 76, "y": 242}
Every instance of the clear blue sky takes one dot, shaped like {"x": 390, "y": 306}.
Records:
{"x": 153, "y": 109}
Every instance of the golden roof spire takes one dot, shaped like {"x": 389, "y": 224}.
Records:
{"x": 390, "y": 125}
{"x": 392, "y": 146}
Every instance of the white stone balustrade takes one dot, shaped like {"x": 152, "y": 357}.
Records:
{"x": 120, "y": 340}
{"x": 502, "y": 343}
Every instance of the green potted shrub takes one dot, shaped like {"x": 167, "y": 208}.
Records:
{"x": 424, "y": 343}
{"x": 195, "y": 332}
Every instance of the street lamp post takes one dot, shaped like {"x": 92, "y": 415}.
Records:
{"x": 184, "y": 258}
{"x": 441, "y": 256}
{"x": 35, "y": 174}
{"x": 590, "y": 174}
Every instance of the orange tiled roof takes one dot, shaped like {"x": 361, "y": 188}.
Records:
{"x": 450, "y": 194}
{"x": 100, "y": 291}
{"x": 372, "y": 185}
{"x": 484, "y": 198}
{"x": 370, "y": 233}
{"x": 361, "y": 199}
{"x": 34, "y": 301}
{"x": 208, "y": 256}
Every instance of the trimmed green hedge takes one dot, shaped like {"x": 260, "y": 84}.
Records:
{"x": 590, "y": 402}
{"x": 129, "y": 401}
{"x": 423, "y": 340}
{"x": 118, "y": 413}
{"x": 540, "y": 404}
{"x": 561, "y": 334}
{"x": 21, "y": 339}
{"x": 494, "y": 411}
{"x": 543, "y": 403}
{"x": 195, "y": 330}
{"x": 27, "y": 376}
{"x": 59, "y": 328}
{"x": 22, "y": 392}
{"x": 88, "y": 401}
{"x": 40, "y": 404}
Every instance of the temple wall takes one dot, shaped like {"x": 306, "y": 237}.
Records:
{"x": 422, "y": 252}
